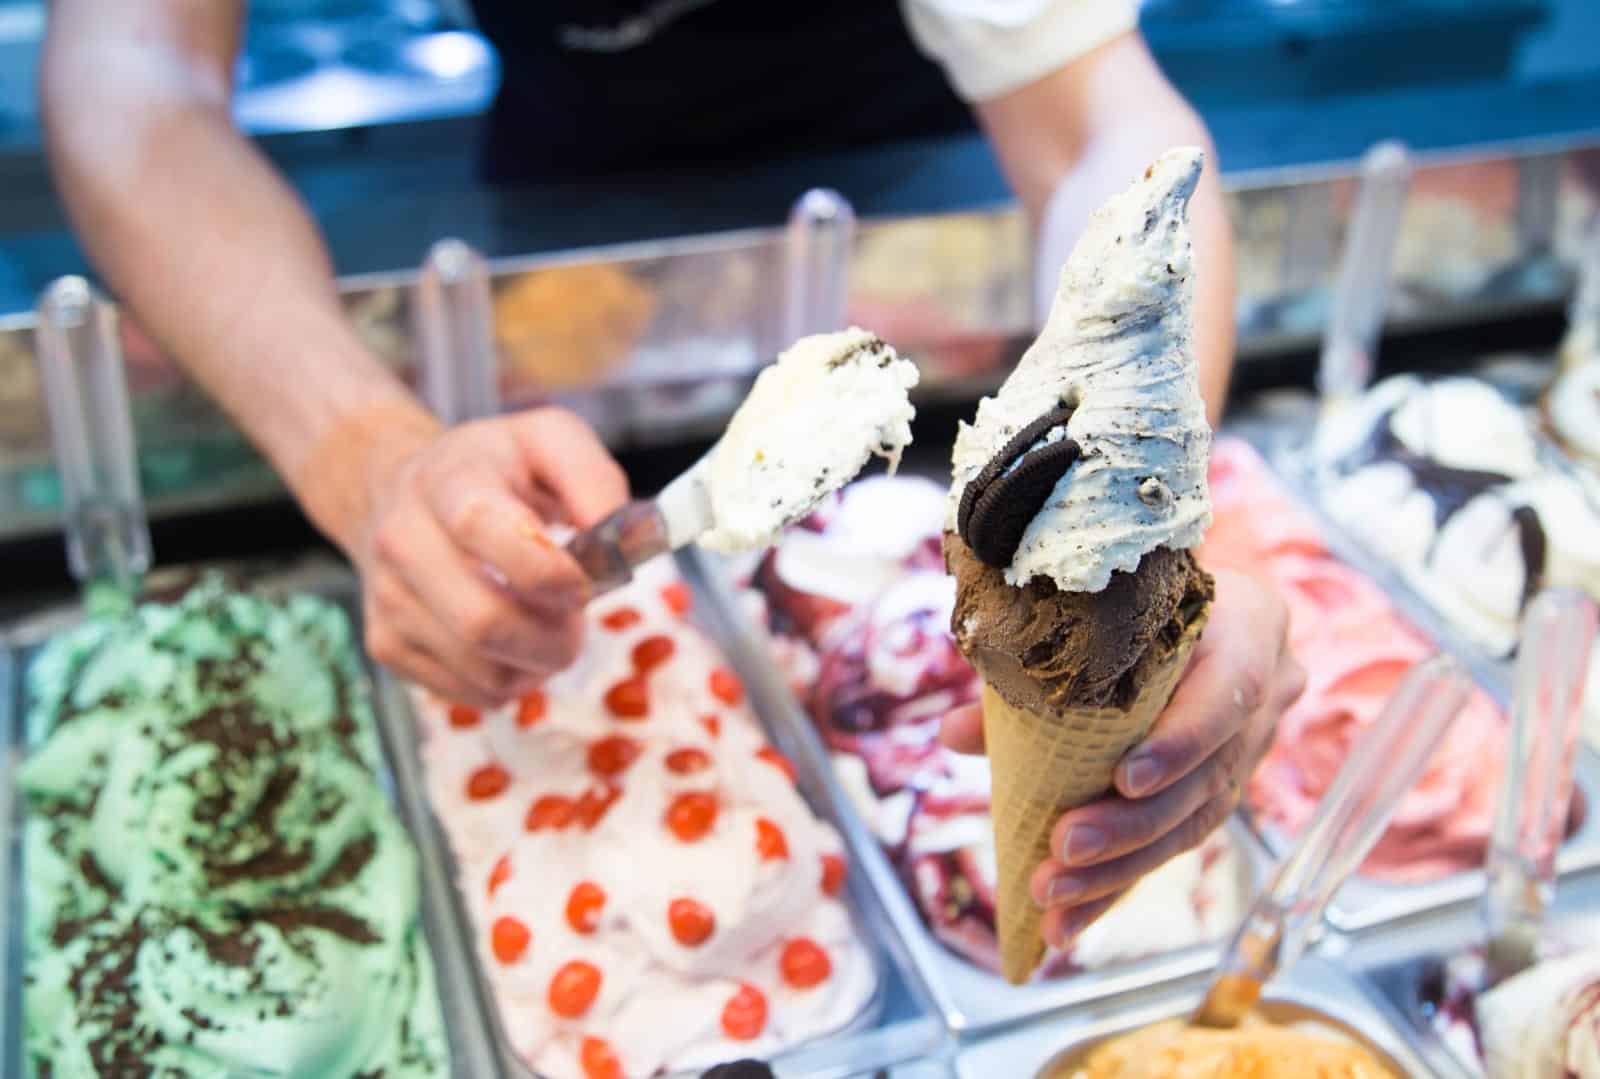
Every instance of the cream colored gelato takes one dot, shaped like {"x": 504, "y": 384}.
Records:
{"x": 1255, "y": 1049}
{"x": 1544, "y": 1022}
{"x": 1116, "y": 349}
{"x": 811, "y": 422}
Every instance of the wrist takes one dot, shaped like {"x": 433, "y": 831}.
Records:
{"x": 339, "y": 478}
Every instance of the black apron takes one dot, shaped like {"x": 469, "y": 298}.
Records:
{"x": 592, "y": 87}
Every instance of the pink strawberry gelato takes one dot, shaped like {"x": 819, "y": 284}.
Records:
{"x": 1355, "y": 648}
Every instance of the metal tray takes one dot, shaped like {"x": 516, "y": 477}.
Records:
{"x": 969, "y": 998}
{"x": 1397, "y": 978}
{"x": 1364, "y": 902}
{"x": 20, "y": 642}
{"x": 1314, "y": 989}
{"x": 894, "y": 1027}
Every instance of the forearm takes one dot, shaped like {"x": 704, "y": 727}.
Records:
{"x": 191, "y": 228}
{"x": 1072, "y": 141}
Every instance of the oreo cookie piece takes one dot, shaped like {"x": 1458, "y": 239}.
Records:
{"x": 999, "y": 503}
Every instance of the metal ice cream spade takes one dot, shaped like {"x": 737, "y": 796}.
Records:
{"x": 1383, "y": 766}
{"x": 91, "y": 430}
{"x": 817, "y": 246}
{"x": 1558, "y": 631}
{"x": 1350, "y": 339}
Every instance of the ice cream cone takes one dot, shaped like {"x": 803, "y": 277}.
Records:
{"x": 1046, "y": 764}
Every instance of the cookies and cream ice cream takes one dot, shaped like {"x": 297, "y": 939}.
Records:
{"x": 1255, "y": 1048}
{"x": 216, "y": 883}
{"x": 650, "y": 890}
{"x": 1545, "y": 1021}
{"x": 1115, "y": 355}
{"x": 1077, "y": 492}
{"x": 811, "y": 422}
{"x": 1447, "y": 480}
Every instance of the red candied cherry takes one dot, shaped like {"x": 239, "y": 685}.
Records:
{"x": 573, "y": 988}
{"x": 691, "y": 815}
{"x": 509, "y": 938}
{"x": 713, "y": 725}
{"x": 833, "y": 874}
{"x": 688, "y": 760}
{"x": 770, "y": 841}
{"x": 629, "y": 698}
{"x": 463, "y": 716}
{"x": 652, "y": 652}
{"x": 584, "y": 905}
{"x": 620, "y": 619}
{"x": 487, "y": 782}
{"x": 499, "y": 874}
{"x": 611, "y": 756}
{"x": 548, "y": 811}
{"x": 725, "y": 686}
{"x": 599, "y": 1060}
{"x": 595, "y": 802}
{"x": 778, "y": 761}
{"x": 804, "y": 964}
{"x": 677, "y": 597}
{"x": 532, "y": 708}
{"x": 744, "y": 1017}
{"x": 691, "y": 920}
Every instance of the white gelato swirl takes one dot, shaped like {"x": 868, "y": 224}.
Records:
{"x": 1117, "y": 346}
{"x": 1545, "y": 1021}
{"x": 811, "y": 422}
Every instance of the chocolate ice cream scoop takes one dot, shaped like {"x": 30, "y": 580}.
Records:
{"x": 1044, "y": 649}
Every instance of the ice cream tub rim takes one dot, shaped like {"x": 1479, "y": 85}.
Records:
{"x": 846, "y": 1050}
{"x": 970, "y": 1000}
{"x": 1315, "y": 990}
{"x": 21, "y": 640}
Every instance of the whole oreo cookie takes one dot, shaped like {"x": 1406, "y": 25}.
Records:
{"x": 998, "y": 504}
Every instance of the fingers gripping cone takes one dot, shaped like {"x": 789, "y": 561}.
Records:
{"x": 1044, "y": 765}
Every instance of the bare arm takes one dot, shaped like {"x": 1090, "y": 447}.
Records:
{"x": 192, "y": 228}
{"x": 1069, "y": 141}
{"x": 189, "y": 224}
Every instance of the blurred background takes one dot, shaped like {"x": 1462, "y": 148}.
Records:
{"x": 647, "y": 301}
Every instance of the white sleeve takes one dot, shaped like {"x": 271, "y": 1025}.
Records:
{"x": 991, "y": 47}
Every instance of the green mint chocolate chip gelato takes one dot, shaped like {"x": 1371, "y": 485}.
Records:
{"x": 216, "y": 884}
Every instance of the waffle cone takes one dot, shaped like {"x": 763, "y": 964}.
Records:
{"x": 1044, "y": 765}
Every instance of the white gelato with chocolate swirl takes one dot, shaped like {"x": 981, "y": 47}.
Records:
{"x": 1545, "y": 1021}
{"x": 1116, "y": 349}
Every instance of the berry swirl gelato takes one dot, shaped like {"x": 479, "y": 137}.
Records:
{"x": 650, "y": 890}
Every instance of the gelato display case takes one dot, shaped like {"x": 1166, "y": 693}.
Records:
{"x": 655, "y": 342}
